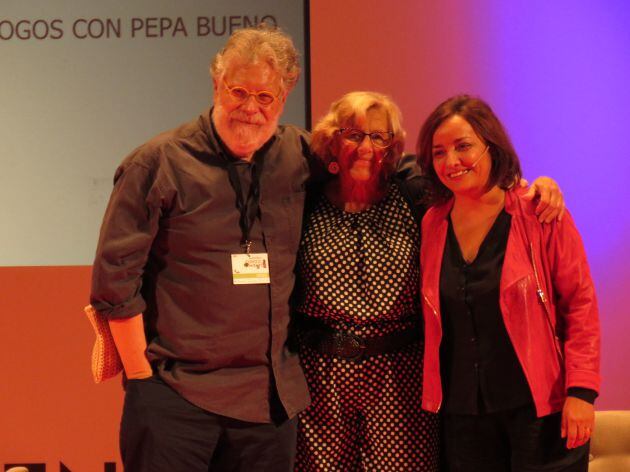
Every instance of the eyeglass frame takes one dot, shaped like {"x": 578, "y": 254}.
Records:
{"x": 250, "y": 93}
{"x": 390, "y": 133}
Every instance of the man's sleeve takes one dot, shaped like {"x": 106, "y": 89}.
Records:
{"x": 129, "y": 227}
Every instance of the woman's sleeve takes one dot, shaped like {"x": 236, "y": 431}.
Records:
{"x": 576, "y": 303}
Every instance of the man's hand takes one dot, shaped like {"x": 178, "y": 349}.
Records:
{"x": 551, "y": 202}
{"x": 578, "y": 422}
{"x": 131, "y": 344}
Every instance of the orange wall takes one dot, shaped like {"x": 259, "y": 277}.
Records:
{"x": 410, "y": 50}
{"x": 51, "y": 409}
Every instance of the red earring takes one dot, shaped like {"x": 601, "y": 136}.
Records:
{"x": 333, "y": 167}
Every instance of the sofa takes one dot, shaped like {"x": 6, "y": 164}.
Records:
{"x": 610, "y": 444}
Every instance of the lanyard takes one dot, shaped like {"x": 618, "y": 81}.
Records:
{"x": 247, "y": 207}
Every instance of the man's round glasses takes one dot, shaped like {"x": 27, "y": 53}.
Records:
{"x": 380, "y": 139}
{"x": 241, "y": 94}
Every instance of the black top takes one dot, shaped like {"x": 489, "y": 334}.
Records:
{"x": 165, "y": 250}
{"x": 480, "y": 370}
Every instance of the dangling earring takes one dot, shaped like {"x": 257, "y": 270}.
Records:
{"x": 333, "y": 167}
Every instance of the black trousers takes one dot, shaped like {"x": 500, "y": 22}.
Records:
{"x": 161, "y": 431}
{"x": 513, "y": 440}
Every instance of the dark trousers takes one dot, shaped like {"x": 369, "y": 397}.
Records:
{"x": 161, "y": 431}
{"x": 513, "y": 440}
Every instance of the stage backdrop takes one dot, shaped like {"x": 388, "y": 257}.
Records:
{"x": 83, "y": 84}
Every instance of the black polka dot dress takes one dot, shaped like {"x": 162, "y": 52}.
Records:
{"x": 360, "y": 273}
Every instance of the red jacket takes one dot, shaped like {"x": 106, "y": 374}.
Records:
{"x": 547, "y": 299}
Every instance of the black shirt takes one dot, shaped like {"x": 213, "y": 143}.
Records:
{"x": 165, "y": 251}
{"x": 480, "y": 370}
{"x": 479, "y": 367}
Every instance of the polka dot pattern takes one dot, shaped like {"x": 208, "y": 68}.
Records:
{"x": 360, "y": 273}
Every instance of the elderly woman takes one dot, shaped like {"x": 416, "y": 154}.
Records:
{"x": 360, "y": 330}
{"x": 359, "y": 323}
{"x": 511, "y": 322}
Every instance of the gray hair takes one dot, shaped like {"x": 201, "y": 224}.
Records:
{"x": 263, "y": 43}
{"x": 345, "y": 112}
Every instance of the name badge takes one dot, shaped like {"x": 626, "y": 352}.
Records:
{"x": 250, "y": 268}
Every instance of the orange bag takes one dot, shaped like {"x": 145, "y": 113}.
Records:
{"x": 106, "y": 362}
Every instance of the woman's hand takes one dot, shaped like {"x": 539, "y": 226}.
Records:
{"x": 578, "y": 421}
{"x": 551, "y": 202}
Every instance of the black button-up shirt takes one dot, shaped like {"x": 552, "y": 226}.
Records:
{"x": 480, "y": 370}
{"x": 165, "y": 250}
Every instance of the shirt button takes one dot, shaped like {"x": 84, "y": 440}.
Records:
{"x": 473, "y": 340}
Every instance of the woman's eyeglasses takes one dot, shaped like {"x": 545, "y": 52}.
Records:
{"x": 380, "y": 139}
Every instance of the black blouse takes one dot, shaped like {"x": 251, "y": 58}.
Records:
{"x": 480, "y": 370}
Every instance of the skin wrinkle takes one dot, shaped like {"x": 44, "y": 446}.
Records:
{"x": 361, "y": 165}
{"x": 245, "y": 126}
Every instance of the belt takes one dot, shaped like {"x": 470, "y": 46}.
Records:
{"x": 352, "y": 347}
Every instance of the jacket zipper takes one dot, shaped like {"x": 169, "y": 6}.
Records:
{"x": 543, "y": 299}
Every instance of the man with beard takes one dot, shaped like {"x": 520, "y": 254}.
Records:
{"x": 194, "y": 268}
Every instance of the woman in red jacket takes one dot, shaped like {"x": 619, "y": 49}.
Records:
{"x": 511, "y": 323}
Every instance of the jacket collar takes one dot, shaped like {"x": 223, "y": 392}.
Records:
{"x": 513, "y": 205}
{"x": 442, "y": 211}
{"x": 513, "y": 201}
{"x": 517, "y": 263}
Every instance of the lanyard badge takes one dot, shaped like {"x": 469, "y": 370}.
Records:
{"x": 248, "y": 268}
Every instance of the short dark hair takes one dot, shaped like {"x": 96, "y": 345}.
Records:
{"x": 506, "y": 168}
